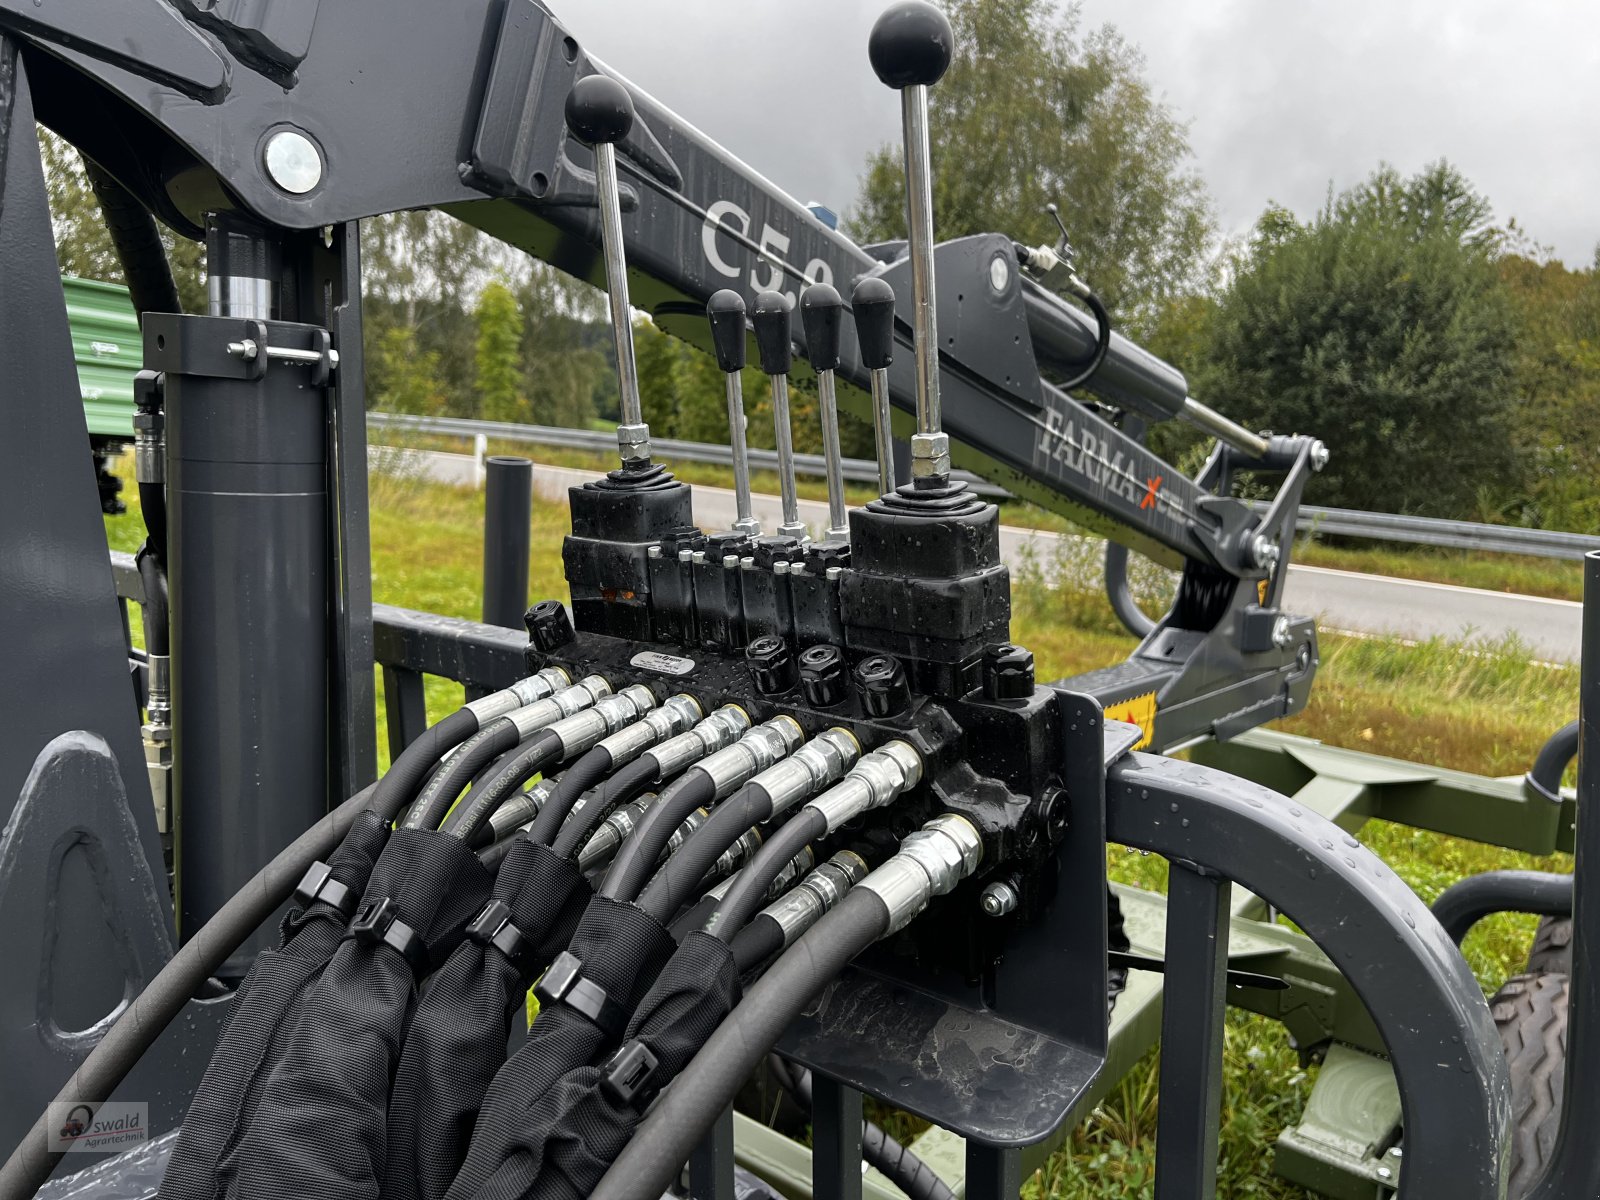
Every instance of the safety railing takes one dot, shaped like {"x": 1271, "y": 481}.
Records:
{"x": 1343, "y": 522}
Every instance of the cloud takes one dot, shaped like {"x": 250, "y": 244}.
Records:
{"x": 1282, "y": 99}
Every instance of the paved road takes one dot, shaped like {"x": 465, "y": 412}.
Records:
{"x": 1341, "y": 600}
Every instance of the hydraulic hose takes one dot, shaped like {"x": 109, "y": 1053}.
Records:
{"x": 1134, "y": 619}
{"x": 524, "y": 760}
{"x": 588, "y": 812}
{"x": 410, "y": 768}
{"x": 1544, "y": 777}
{"x": 701, "y": 785}
{"x": 575, "y": 781}
{"x": 405, "y": 776}
{"x": 812, "y": 767}
{"x": 930, "y": 862}
{"x": 153, "y": 575}
{"x": 1101, "y": 345}
{"x": 680, "y": 1118}
{"x": 137, "y": 240}
{"x": 616, "y": 750}
{"x": 749, "y": 889}
{"x": 891, "y": 1159}
{"x": 482, "y": 748}
{"x": 679, "y": 878}
{"x": 755, "y": 943}
{"x": 494, "y": 738}
{"x": 714, "y": 732}
{"x": 878, "y": 779}
{"x": 640, "y": 852}
{"x": 153, "y": 1009}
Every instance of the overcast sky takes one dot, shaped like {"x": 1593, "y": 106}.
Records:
{"x": 1281, "y": 96}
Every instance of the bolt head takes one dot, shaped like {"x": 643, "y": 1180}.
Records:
{"x": 292, "y": 161}
{"x": 1264, "y": 550}
{"x": 998, "y": 899}
{"x": 1281, "y": 635}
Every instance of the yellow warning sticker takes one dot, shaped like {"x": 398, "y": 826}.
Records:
{"x": 1140, "y": 711}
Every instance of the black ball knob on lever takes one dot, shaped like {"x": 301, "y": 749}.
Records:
{"x": 599, "y": 110}
{"x": 911, "y": 43}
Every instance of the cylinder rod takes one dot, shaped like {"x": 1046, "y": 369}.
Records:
{"x": 1220, "y": 427}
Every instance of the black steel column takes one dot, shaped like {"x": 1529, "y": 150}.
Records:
{"x": 247, "y": 471}
{"x": 835, "y": 1140}
{"x": 507, "y": 539}
{"x": 711, "y": 1164}
{"x": 1574, "y": 1171}
{"x": 1188, "y": 1127}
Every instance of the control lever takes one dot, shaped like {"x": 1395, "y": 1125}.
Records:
{"x": 821, "y": 312}
{"x": 726, "y": 312}
{"x": 599, "y": 113}
{"x": 872, "y": 302}
{"x": 771, "y": 321}
{"x": 910, "y": 48}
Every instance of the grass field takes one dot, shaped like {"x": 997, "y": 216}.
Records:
{"x": 1486, "y": 712}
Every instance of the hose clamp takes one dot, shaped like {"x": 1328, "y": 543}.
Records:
{"x": 564, "y": 983}
{"x": 493, "y": 927}
{"x": 378, "y": 923}
{"x": 318, "y": 886}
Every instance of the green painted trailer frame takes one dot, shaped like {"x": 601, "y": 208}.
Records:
{"x": 108, "y": 353}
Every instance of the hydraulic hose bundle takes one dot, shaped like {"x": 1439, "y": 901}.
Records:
{"x": 930, "y": 863}
{"x": 271, "y": 994}
{"x": 458, "y": 1036}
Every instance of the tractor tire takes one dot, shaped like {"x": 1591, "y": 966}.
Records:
{"x": 1551, "y": 952}
{"x": 1530, "y": 1012}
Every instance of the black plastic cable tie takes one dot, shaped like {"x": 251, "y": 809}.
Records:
{"x": 378, "y": 923}
{"x": 318, "y": 886}
{"x": 493, "y": 927}
{"x": 564, "y": 983}
{"x": 627, "y": 1076}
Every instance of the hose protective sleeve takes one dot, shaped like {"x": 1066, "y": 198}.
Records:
{"x": 262, "y": 1014}
{"x": 651, "y": 1160}
{"x": 458, "y": 1036}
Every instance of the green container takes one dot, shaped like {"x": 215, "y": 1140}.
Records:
{"x": 108, "y": 352}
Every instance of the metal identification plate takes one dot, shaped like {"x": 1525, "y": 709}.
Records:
{"x": 665, "y": 664}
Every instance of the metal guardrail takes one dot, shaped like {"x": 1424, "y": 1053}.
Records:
{"x": 1343, "y": 522}
{"x": 856, "y": 470}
